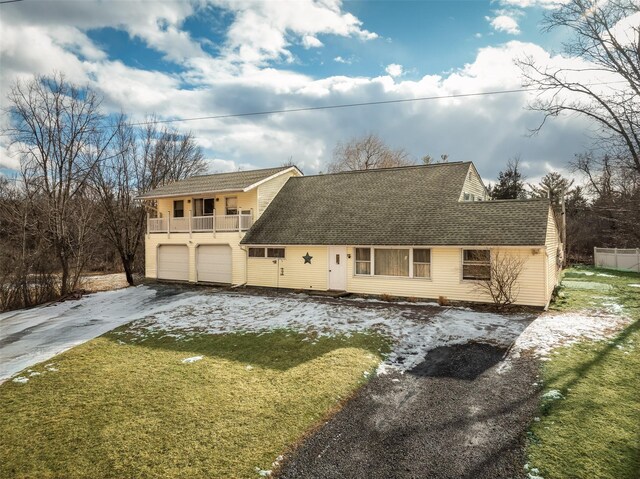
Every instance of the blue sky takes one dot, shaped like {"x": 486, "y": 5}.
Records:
{"x": 180, "y": 58}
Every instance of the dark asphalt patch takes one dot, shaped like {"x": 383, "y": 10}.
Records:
{"x": 460, "y": 414}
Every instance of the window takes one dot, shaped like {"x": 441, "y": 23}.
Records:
{"x": 476, "y": 264}
{"x": 421, "y": 263}
{"x": 203, "y": 207}
{"x": 178, "y": 209}
{"x": 469, "y": 197}
{"x": 256, "y": 252}
{"x": 275, "y": 252}
{"x": 231, "y": 204}
{"x": 363, "y": 260}
{"x": 391, "y": 262}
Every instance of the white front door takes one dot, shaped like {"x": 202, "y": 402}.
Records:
{"x": 338, "y": 268}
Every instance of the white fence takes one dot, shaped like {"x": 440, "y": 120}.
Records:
{"x": 617, "y": 258}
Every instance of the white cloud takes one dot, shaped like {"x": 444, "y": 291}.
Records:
{"x": 309, "y": 41}
{"x": 478, "y": 35}
{"x": 394, "y": 70}
{"x": 340, "y": 59}
{"x": 533, "y": 3}
{"x": 505, "y": 23}
{"x": 245, "y": 76}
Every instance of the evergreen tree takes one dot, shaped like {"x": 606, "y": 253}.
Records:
{"x": 510, "y": 185}
{"x": 552, "y": 186}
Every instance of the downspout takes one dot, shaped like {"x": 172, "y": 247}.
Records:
{"x": 246, "y": 267}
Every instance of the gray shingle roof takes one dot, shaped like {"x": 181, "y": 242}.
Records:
{"x": 236, "y": 181}
{"x": 398, "y": 206}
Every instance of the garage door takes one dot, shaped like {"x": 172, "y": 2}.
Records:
{"x": 214, "y": 263}
{"x": 173, "y": 262}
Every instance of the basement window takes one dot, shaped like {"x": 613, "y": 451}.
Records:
{"x": 476, "y": 264}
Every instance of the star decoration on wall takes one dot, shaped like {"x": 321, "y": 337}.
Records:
{"x": 307, "y": 258}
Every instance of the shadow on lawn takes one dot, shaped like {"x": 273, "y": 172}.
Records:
{"x": 571, "y": 377}
{"x": 277, "y": 349}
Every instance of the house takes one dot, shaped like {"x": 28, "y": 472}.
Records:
{"x": 416, "y": 231}
{"x": 197, "y": 224}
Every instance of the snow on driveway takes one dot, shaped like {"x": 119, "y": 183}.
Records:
{"x": 33, "y": 335}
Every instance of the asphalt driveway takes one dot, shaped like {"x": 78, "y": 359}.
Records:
{"x": 30, "y": 336}
{"x": 461, "y": 413}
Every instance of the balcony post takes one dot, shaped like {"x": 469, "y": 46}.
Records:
{"x": 168, "y": 224}
{"x": 148, "y": 216}
{"x": 190, "y": 230}
{"x": 239, "y": 220}
{"x": 213, "y": 228}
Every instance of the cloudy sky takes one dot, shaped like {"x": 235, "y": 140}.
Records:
{"x": 184, "y": 59}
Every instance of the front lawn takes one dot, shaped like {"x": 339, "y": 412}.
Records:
{"x": 119, "y": 406}
{"x": 590, "y": 419}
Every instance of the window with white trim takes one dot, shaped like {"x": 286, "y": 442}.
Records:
{"x": 401, "y": 262}
{"x": 275, "y": 252}
{"x": 391, "y": 262}
{"x": 476, "y": 264}
{"x": 231, "y": 205}
{"x": 266, "y": 252}
{"x": 421, "y": 263}
{"x": 256, "y": 253}
{"x": 178, "y": 208}
{"x": 363, "y": 261}
{"x": 203, "y": 207}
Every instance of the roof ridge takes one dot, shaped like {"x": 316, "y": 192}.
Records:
{"x": 242, "y": 171}
{"x": 514, "y": 200}
{"x": 391, "y": 168}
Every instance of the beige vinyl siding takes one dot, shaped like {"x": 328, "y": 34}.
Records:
{"x": 446, "y": 279}
{"x": 268, "y": 191}
{"x": 192, "y": 242}
{"x": 473, "y": 185}
{"x": 297, "y": 274}
{"x": 246, "y": 201}
{"x": 552, "y": 245}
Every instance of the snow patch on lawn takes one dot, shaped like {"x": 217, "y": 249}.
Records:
{"x": 413, "y": 330}
{"x": 552, "y": 395}
{"x": 590, "y": 285}
{"x": 20, "y": 380}
{"x": 634, "y": 285}
{"x": 551, "y": 330}
{"x": 192, "y": 359}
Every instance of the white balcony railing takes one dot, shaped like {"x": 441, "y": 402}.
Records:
{"x": 200, "y": 224}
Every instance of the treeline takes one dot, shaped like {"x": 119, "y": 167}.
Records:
{"x": 72, "y": 207}
{"x": 604, "y": 211}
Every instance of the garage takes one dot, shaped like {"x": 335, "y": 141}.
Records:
{"x": 213, "y": 263}
{"x": 173, "y": 262}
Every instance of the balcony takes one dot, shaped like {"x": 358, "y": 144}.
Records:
{"x": 200, "y": 224}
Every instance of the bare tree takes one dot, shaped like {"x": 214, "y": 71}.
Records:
{"x": 366, "y": 153}
{"x": 138, "y": 161}
{"x": 610, "y": 50}
{"x": 53, "y": 125}
{"x": 26, "y": 263}
{"x": 502, "y": 282}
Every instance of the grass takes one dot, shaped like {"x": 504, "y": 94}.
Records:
{"x": 119, "y": 407}
{"x": 594, "y": 431}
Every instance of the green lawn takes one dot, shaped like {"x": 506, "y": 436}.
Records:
{"x": 116, "y": 408}
{"x": 594, "y": 431}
